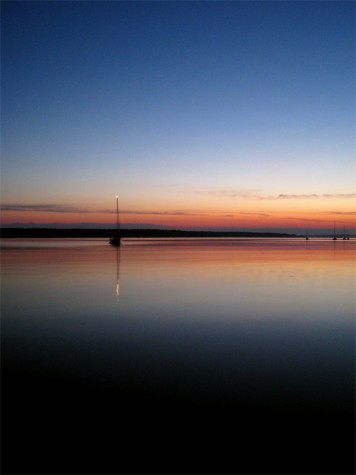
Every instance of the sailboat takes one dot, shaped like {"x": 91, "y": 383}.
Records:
{"x": 116, "y": 240}
{"x": 346, "y": 237}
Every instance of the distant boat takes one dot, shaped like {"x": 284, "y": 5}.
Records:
{"x": 346, "y": 237}
{"x": 116, "y": 240}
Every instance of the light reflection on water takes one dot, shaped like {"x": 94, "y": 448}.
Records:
{"x": 182, "y": 280}
{"x": 244, "y": 324}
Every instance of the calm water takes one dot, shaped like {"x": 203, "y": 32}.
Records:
{"x": 178, "y": 356}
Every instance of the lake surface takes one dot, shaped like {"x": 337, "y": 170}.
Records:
{"x": 178, "y": 356}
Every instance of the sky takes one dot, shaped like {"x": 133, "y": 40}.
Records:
{"x": 199, "y": 115}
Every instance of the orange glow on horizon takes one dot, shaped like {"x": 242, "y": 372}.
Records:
{"x": 287, "y": 217}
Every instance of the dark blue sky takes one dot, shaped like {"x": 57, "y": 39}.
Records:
{"x": 256, "y": 97}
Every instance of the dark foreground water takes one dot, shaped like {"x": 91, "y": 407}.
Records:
{"x": 178, "y": 356}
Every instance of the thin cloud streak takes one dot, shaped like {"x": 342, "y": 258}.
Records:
{"x": 312, "y": 196}
{"x": 60, "y": 208}
{"x": 309, "y": 220}
{"x": 228, "y": 193}
{"x": 282, "y": 196}
{"x": 44, "y": 208}
{"x": 254, "y": 214}
{"x": 163, "y": 213}
{"x": 67, "y": 209}
{"x": 342, "y": 213}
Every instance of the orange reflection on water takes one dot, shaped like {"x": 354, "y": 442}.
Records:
{"x": 188, "y": 278}
{"x": 243, "y": 278}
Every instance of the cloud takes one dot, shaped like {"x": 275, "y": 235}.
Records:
{"x": 294, "y": 197}
{"x": 254, "y": 194}
{"x": 44, "y": 208}
{"x": 322, "y": 220}
{"x": 343, "y": 213}
{"x": 67, "y": 209}
{"x": 340, "y": 195}
{"x": 310, "y": 196}
{"x": 309, "y": 219}
{"x": 228, "y": 193}
{"x": 161, "y": 213}
{"x": 60, "y": 208}
{"x": 256, "y": 214}
{"x": 192, "y": 213}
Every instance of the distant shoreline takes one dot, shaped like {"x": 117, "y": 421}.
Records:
{"x": 128, "y": 233}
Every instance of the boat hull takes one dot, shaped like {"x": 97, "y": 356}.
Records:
{"x": 115, "y": 241}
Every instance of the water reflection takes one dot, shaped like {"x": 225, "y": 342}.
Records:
{"x": 117, "y": 289}
{"x": 265, "y": 281}
{"x": 230, "y": 345}
{"x": 301, "y": 281}
{"x": 247, "y": 280}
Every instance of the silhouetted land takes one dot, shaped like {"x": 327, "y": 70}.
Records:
{"x": 127, "y": 233}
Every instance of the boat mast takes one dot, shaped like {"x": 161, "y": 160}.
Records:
{"x": 117, "y": 215}
{"x": 115, "y": 240}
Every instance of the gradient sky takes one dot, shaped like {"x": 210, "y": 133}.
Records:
{"x": 221, "y": 114}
